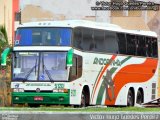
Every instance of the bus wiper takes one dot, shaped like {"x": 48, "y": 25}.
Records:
{"x": 46, "y": 70}
{"x": 49, "y": 75}
{"x": 29, "y": 72}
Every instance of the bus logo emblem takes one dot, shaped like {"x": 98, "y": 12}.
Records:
{"x": 38, "y": 90}
{"x": 17, "y": 85}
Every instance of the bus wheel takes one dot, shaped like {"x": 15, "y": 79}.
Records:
{"x": 33, "y": 105}
{"x": 139, "y": 97}
{"x": 83, "y": 99}
{"x": 130, "y": 98}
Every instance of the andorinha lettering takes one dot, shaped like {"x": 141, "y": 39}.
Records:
{"x": 104, "y": 61}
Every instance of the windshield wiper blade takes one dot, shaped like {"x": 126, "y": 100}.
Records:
{"x": 46, "y": 70}
{"x": 49, "y": 75}
{"x": 29, "y": 72}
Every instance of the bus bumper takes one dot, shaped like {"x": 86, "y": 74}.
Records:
{"x": 40, "y": 98}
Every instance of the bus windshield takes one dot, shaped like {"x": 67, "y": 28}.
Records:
{"x": 43, "y": 36}
{"x": 39, "y": 66}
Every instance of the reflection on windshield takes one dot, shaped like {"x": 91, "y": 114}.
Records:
{"x": 25, "y": 66}
{"x": 43, "y": 66}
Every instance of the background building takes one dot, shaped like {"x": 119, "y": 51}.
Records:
{"x": 8, "y": 8}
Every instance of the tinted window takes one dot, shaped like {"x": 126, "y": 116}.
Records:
{"x": 95, "y": 40}
{"x": 43, "y": 36}
{"x": 77, "y": 42}
{"x": 140, "y": 46}
{"x": 76, "y": 69}
{"x": 98, "y": 43}
{"x": 73, "y": 70}
{"x": 131, "y": 44}
{"x": 88, "y": 38}
{"x": 149, "y": 51}
{"x": 122, "y": 43}
{"x": 79, "y": 66}
{"x": 110, "y": 42}
{"x": 154, "y": 47}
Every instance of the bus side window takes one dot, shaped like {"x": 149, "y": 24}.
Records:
{"x": 99, "y": 40}
{"x": 88, "y": 37}
{"x": 77, "y": 41}
{"x": 110, "y": 42}
{"x": 122, "y": 43}
{"x": 73, "y": 70}
{"x": 154, "y": 47}
{"x": 148, "y": 47}
{"x": 141, "y": 50}
{"x": 79, "y": 66}
{"x": 76, "y": 69}
{"x": 131, "y": 44}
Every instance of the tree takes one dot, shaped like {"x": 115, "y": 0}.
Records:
{"x": 4, "y": 78}
{"x": 3, "y": 38}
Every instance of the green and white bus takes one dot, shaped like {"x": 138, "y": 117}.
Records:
{"x": 76, "y": 62}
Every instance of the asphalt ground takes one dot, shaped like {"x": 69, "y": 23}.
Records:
{"x": 50, "y": 115}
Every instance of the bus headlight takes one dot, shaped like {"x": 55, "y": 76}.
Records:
{"x": 21, "y": 90}
{"x": 61, "y": 90}
{"x": 18, "y": 90}
{"x": 55, "y": 90}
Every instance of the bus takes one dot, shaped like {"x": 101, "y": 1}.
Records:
{"x": 81, "y": 63}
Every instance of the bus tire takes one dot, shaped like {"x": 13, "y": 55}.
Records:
{"x": 130, "y": 98}
{"x": 139, "y": 99}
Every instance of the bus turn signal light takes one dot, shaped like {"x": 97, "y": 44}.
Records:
{"x": 60, "y": 90}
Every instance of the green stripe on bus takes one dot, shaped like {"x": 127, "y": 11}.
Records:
{"x": 123, "y": 61}
{"x": 97, "y": 79}
{"x": 103, "y": 87}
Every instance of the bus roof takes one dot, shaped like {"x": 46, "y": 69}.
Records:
{"x": 88, "y": 24}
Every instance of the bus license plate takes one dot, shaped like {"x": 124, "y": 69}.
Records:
{"x": 38, "y": 98}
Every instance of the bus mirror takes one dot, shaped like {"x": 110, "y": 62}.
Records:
{"x": 4, "y": 56}
{"x": 70, "y": 58}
